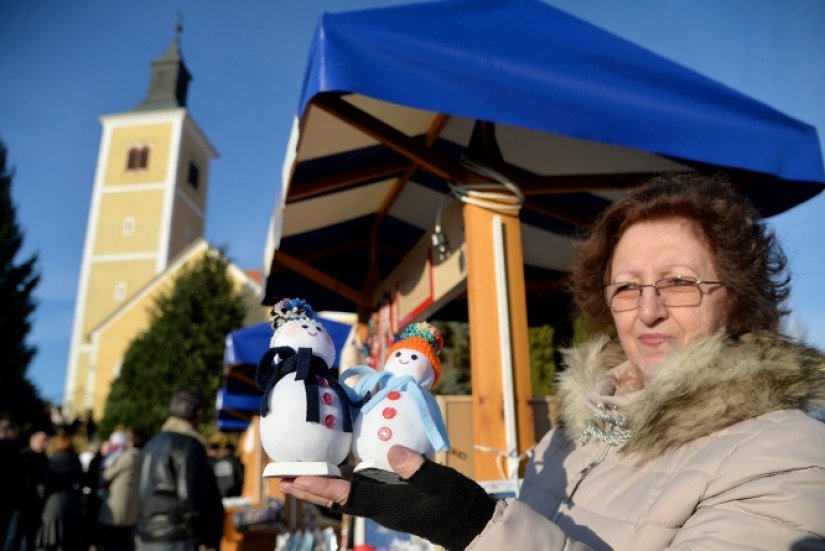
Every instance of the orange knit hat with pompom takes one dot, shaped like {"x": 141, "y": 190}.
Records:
{"x": 425, "y": 338}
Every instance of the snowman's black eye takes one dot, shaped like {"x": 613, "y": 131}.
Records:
{"x": 398, "y": 354}
{"x": 414, "y": 357}
{"x": 304, "y": 326}
{"x": 319, "y": 328}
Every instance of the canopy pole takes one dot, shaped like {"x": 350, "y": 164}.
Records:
{"x": 490, "y": 326}
{"x": 503, "y": 301}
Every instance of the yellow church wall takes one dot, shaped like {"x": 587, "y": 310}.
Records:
{"x": 114, "y": 340}
{"x": 83, "y": 369}
{"x": 156, "y": 136}
{"x": 101, "y": 300}
{"x": 191, "y": 152}
{"x": 144, "y": 208}
{"x": 187, "y": 225}
{"x": 255, "y": 312}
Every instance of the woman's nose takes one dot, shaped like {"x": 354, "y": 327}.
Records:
{"x": 651, "y": 307}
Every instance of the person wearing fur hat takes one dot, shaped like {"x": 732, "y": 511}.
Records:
{"x": 684, "y": 425}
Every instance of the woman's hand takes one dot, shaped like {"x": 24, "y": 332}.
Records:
{"x": 328, "y": 492}
{"x": 435, "y": 502}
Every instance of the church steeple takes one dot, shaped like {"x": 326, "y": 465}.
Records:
{"x": 170, "y": 79}
{"x": 148, "y": 206}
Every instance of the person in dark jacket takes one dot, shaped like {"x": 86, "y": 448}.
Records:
{"x": 33, "y": 478}
{"x": 11, "y": 486}
{"x": 61, "y": 525}
{"x": 180, "y": 507}
{"x": 229, "y": 472}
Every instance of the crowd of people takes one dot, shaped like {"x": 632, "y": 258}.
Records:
{"x": 125, "y": 493}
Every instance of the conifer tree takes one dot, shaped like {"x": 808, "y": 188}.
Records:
{"x": 183, "y": 347}
{"x": 19, "y": 399}
{"x": 455, "y": 358}
{"x": 456, "y": 377}
{"x": 542, "y": 359}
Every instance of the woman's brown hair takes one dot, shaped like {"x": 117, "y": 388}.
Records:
{"x": 749, "y": 260}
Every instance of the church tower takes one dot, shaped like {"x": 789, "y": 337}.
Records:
{"x": 148, "y": 203}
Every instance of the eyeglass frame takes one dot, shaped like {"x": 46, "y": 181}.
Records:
{"x": 697, "y": 283}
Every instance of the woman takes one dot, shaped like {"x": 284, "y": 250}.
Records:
{"x": 685, "y": 428}
{"x": 61, "y": 527}
{"x": 119, "y": 506}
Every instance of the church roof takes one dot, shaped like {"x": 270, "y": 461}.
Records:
{"x": 170, "y": 79}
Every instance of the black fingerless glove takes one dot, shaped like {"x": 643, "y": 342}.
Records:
{"x": 437, "y": 503}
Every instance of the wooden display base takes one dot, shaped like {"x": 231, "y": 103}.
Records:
{"x": 377, "y": 470}
{"x": 291, "y": 469}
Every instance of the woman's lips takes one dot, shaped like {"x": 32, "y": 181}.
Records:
{"x": 652, "y": 339}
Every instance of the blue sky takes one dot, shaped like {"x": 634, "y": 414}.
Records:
{"x": 63, "y": 64}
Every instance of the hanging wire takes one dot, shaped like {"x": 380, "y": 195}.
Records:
{"x": 488, "y": 195}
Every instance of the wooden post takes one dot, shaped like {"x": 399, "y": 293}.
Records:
{"x": 490, "y": 323}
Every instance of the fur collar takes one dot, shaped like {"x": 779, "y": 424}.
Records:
{"x": 701, "y": 389}
{"x": 182, "y": 426}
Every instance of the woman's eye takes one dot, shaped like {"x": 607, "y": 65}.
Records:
{"x": 627, "y": 287}
{"x": 679, "y": 282}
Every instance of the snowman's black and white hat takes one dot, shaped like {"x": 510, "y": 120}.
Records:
{"x": 289, "y": 309}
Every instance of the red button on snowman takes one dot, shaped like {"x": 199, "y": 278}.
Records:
{"x": 306, "y": 419}
{"x": 399, "y": 408}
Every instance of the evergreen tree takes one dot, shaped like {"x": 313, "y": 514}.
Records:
{"x": 183, "y": 347}
{"x": 544, "y": 342}
{"x": 19, "y": 399}
{"x": 542, "y": 359}
{"x": 455, "y": 359}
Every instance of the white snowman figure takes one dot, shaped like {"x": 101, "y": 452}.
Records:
{"x": 306, "y": 418}
{"x": 398, "y": 407}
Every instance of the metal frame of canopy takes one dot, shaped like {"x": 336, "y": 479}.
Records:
{"x": 396, "y": 100}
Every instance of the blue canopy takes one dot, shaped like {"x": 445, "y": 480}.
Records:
{"x": 528, "y": 64}
{"x": 395, "y": 99}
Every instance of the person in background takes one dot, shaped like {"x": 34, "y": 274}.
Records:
{"x": 11, "y": 483}
{"x": 92, "y": 461}
{"x": 119, "y": 503}
{"x": 229, "y": 472}
{"x": 685, "y": 418}
{"x": 61, "y": 527}
{"x": 180, "y": 507}
{"x": 213, "y": 451}
{"x": 33, "y": 477}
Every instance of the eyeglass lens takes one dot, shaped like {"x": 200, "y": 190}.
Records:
{"x": 671, "y": 291}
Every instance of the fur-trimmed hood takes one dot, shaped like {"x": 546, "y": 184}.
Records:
{"x": 700, "y": 389}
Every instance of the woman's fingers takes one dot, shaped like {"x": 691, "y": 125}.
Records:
{"x": 404, "y": 461}
{"x": 316, "y": 489}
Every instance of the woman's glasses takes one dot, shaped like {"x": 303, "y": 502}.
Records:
{"x": 672, "y": 291}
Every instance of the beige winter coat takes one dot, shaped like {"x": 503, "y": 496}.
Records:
{"x": 120, "y": 505}
{"x": 717, "y": 454}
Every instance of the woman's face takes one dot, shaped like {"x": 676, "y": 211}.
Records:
{"x": 646, "y": 253}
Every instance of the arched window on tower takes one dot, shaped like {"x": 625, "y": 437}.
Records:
{"x": 138, "y": 158}
{"x": 194, "y": 175}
